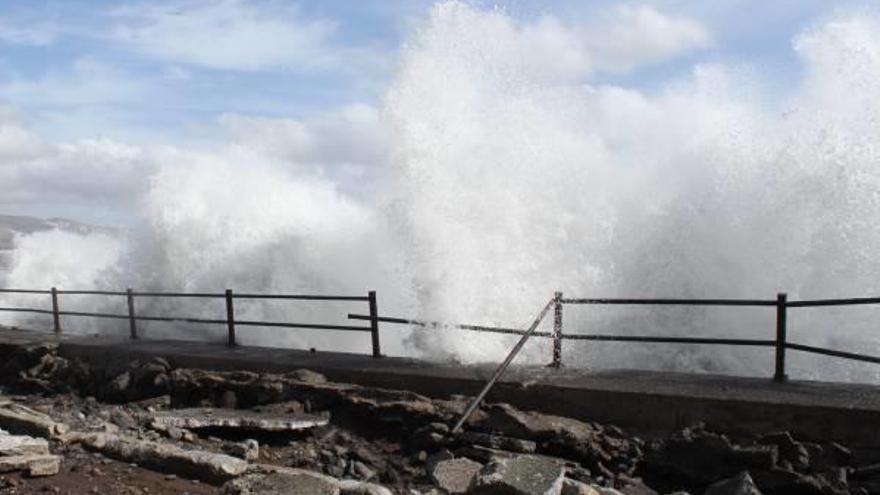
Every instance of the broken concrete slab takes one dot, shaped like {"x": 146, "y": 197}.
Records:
{"x": 33, "y": 464}
{"x": 22, "y": 444}
{"x": 170, "y": 459}
{"x": 523, "y": 475}
{"x": 236, "y": 419}
{"x": 19, "y": 419}
{"x": 283, "y": 481}
{"x": 455, "y": 475}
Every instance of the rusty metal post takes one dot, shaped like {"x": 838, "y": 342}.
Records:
{"x": 230, "y": 319}
{"x": 56, "y": 318}
{"x": 781, "y": 330}
{"x": 374, "y": 324}
{"x": 132, "y": 322}
{"x": 557, "y": 331}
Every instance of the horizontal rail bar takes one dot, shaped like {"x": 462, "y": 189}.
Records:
{"x": 145, "y": 318}
{"x": 218, "y": 295}
{"x": 24, "y": 291}
{"x": 834, "y": 302}
{"x": 831, "y": 352}
{"x": 28, "y": 310}
{"x": 91, "y": 292}
{"x": 437, "y": 324}
{"x": 314, "y": 326}
{"x": 675, "y": 302}
{"x": 303, "y": 297}
{"x": 670, "y": 340}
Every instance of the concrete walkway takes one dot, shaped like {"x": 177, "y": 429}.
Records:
{"x": 643, "y": 399}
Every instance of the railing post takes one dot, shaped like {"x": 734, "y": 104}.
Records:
{"x": 781, "y": 316}
{"x": 132, "y": 323}
{"x": 557, "y": 331}
{"x": 56, "y": 319}
{"x": 374, "y": 324}
{"x": 230, "y": 319}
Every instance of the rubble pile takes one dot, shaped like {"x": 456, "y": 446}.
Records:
{"x": 142, "y": 424}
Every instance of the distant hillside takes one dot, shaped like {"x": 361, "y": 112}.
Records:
{"x": 10, "y": 225}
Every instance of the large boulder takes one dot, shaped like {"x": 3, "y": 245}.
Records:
{"x": 455, "y": 475}
{"x": 522, "y": 475}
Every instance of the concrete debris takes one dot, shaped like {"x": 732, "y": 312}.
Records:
{"x": 523, "y": 475}
{"x": 21, "y": 444}
{"x": 235, "y": 419}
{"x": 167, "y": 458}
{"x": 26, "y": 453}
{"x": 16, "y": 418}
{"x": 33, "y": 464}
{"x": 455, "y": 475}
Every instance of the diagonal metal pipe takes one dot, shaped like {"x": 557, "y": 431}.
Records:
{"x": 503, "y": 367}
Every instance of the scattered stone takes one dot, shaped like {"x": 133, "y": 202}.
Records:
{"x": 523, "y": 475}
{"x": 455, "y": 475}
{"x": 166, "y": 458}
{"x": 236, "y": 419}
{"x": 741, "y": 484}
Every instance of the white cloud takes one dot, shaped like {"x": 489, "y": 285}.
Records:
{"x": 34, "y": 35}
{"x": 86, "y": 82}
{"x": 228, "y": 34}
{"x": 16, "y": 140}
{"x": 350, "y": 135}
{"x": 628, "y": 36}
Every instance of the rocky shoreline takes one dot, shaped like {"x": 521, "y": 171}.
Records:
{"x": 149, "y": 427}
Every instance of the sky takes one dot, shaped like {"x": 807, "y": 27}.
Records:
{"x": 95, "y": 95}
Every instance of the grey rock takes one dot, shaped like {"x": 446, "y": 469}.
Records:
{"x": 523, "y": 475}
{"x": 436, "y": 457}
{"x": 741, "y": 484}
{"x": 455, "y": 475}
{"x": 283, "y": 482}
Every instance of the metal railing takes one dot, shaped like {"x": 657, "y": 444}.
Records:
{"x": 228, "y": 296}
{"x": 779, "y": 342}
